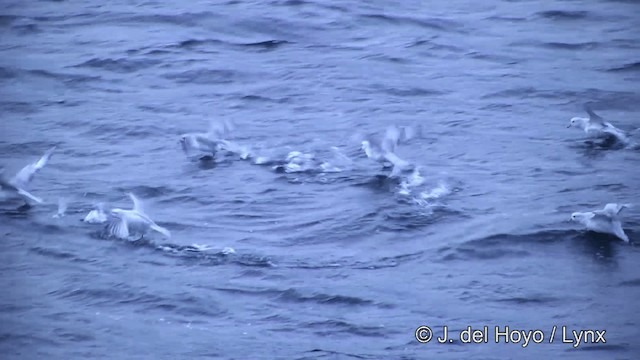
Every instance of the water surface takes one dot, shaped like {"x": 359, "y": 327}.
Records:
{"x": 326, "y": 265}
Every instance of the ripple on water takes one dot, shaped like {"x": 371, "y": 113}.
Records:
{"x": 336, "y": 328}
{"x": 298, "y": 296}
{"x": 563, "y": 14}
{"x": 121, "y": 65}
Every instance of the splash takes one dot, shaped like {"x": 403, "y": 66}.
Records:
{"x": 413, "y": 186}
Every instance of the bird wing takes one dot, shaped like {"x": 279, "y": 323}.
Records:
{"x": 612, "y": 209}
{"x": 340, "y": 157}
{"x": 390, "y": 139}
{"x": 619, "y": 232}
{"x": 219, "y": 129}
{"x": 410, "y": 132}
{"x": 593, "y": 117}
{"x": 160, "y": 229}
{"x": 137, "y": 204}
{"x": 207, "y": 144}
{"x": 24, "y": 176}
{"x": 119, "y": 228}
{"x": 601, "y": 217}
{"x": 7, "y": 184}
{"x": 28, "y": 195}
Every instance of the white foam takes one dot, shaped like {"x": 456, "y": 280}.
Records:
{"x": 441, "y": 190}
{"x": 228, "y": 251}
{"x": 201, "y": 247}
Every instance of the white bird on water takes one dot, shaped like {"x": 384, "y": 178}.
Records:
{"x": 127, "y": 223}
{"x": 384, "y": 151}
{"x": 96, "y": 216}
{"x": 16, "y": 186}
{"x": 595, "y": 126}
{"x": 604, "y": 221}
{"x": 206, "y": 144}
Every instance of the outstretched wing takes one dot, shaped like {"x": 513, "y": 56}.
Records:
{"x": 137, "y": 204}
{"x": 391, "y": 139}
{"x": 619, "y": 231}
{"x": 119, "y": 228}
{"x": 340, "y": 157}
{"x": 613, "y": 209}
{"x": 30, "y": 196}
{"x": 219, "y": 129}
{"x": 593, "y": 117}
{"x": 160, "y": 229}
{"x": 410, "y": 132}
{"x": 25, "y": 175}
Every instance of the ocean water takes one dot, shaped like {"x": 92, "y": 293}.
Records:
{"x": 327, "y": 264}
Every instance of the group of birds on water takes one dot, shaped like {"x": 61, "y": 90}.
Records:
{"x": 134, "y": 223}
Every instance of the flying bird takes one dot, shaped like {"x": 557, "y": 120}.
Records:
{"x": 605, "y": 221}
{"x": 126, "y": 224}
{"x": 205, "y": 145}
{"x": 16, "y": 187}
{"x": 596, "y": 127}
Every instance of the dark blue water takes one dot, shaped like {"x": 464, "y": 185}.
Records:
{"x": 327, "y": 265}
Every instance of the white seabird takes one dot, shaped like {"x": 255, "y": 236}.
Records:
{"x": 16, "y": 186}
{"x": 384, "y": 151}
{"x": 604, "y": 221}
{"x": 127, "y": 223}
{"x": 96, "y": 216}
{"x": 595, "y": 126}
{"x": 206, "y": 144}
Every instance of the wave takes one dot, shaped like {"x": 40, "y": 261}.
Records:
{"x": 184, "y": 19}
{"x": 332, "y": 354}
{"x": 510, "y": 19}
{"x": 297, "y": 296}
{"x": 19, "y": 107}
{"x": 25, "y": 29}
{"x": 333, "y": 327}
{"x": 530, "y": 300}
{"x": 114, "y": 295}
{"x": 563, "y": 14}
{"x": 433, "y": 45}
{"x": 205, "y": 76}
{"x": 122, "y": 65}
{"x": 590, "y": 45}
{"x": 57, "y": 254}
{"x": 6, "y": 20}
{"x": 500, "y": 246}
{"x": 630, "y": 67}
{"x": 265, "y": 45}
{"x": 262, "y": 98}
{"x": 388, "y": 261}
{"x": 614, "y": 100}
{"x": 7, "y": 73}
{"x": 604, "y": 347}
{"x": 64, "y": 77}
{"x": 427, "y": 23}
{"x": 632, "y": 283}
{"x": 405, "y": 92}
